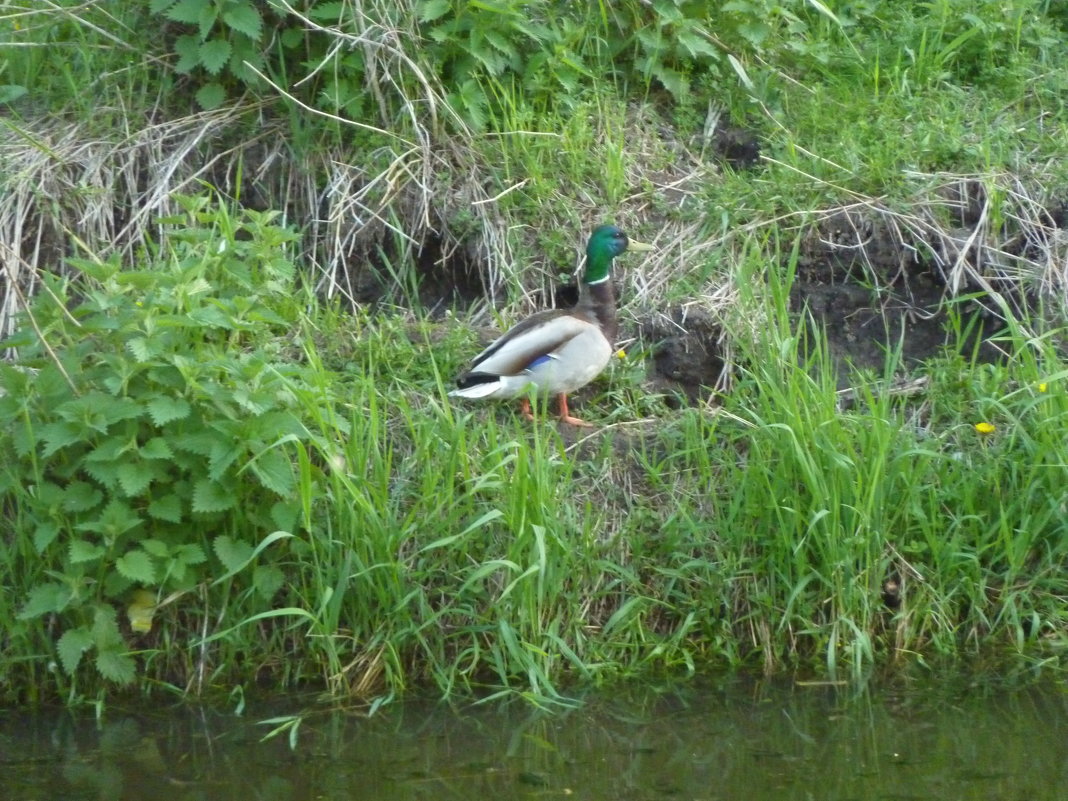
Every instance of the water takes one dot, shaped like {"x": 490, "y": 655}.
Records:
{"x": 737, "y": 741}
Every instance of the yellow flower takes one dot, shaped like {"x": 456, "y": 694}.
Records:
{"x": 984, "y": 428}
{"x": 1043, "y": 387}
{"x": 621, "y": 354}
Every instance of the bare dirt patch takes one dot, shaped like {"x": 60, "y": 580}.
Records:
{"x": 871, "y": 293}
{"x": 934, "y": 278}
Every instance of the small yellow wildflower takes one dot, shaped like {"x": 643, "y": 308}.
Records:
{"x": 1043, "y": 387}
{"x": 621, "y": 354}
{"x": 985, "y": 428}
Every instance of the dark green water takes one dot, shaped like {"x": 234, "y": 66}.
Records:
{"x": 738, "y": 741}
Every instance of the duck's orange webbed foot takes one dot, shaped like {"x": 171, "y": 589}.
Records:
{"x": 565, "y": 415}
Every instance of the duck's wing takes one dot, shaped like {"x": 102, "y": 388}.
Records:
{"x": 534, "y": 338}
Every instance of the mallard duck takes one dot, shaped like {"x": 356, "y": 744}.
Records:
{"x": 556, "y": 351}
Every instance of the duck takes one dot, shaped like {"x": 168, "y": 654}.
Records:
{"x": 556, "y": 351}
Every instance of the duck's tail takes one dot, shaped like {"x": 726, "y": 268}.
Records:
{"x": 477, "y": 385}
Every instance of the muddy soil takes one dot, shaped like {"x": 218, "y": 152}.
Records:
{"x": 871, "y": 294}
{"x": 863, "y": 288}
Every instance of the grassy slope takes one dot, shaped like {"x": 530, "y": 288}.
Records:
{"x": 460, "y": 547}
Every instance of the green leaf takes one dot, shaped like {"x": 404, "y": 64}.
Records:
{"x": 45, "y": 599}
{"x": 156, "y": 448}
{"x": 167, "y": 377}
{"x": 115, "y": 584}
{"x": 176, "y": 571}
{"x": 98, "y": 410}
{"x": 163, "y": 410}
{"x": 109, "y": 449}
{"x": 212, "y": 317}
{"x": 23, "y": 338}
{"x": 268, "y": 580}
{"x": 168, "y": 508}
{"x": 107, "y": 473}
{"x": 274, "y": 471}
{"x": 105, "y": 629}
{"x": 244, "y": 18}
{"x": 80, "y": 551}
{"x": 291, "y": 37}
{"x": 190, "y": 554}
{"x": 116, "y": 666}
{"x": 71, "y": 645}
{"x": 116, "y": 519}
{"x": 10, "y": 92}
{"x": 214, "y": 54}
{"x": 502, "y": 43}
{"x": 210, "y": 496}
{"x": 223, "y": 454}
{"x": 100, "y": 270}
{"x": 187, "y": 47}
{"x": 134, "y": 478}
{"x": 200, "y": 443}
{"x": 210, "y": 96}
{"x": 142, "y": 349}
{"x": 157, "y": 548}
{"x": 696, "y": 44}
{"x": 434, "y": 9}
{"x": 44, "y": 535}
{"x": 137, "y": 565}
{"x": 187, "y": 10}
{"x": 156, "y": 6}
{"x": 284, "y": 514}
{"x": 49, "y": 495}
{"x": 673, "y": 80}
{"x": 24, "y": 441}
{"x": 754, "y": 32}
{"x": 81, "y": 496}
{"x": 208, "y": 16}
{"x": 59, "y": 435}
{"x": 252, "y": 401}
{"x": 327, "y": 12}
{"x": 233, "y": 554}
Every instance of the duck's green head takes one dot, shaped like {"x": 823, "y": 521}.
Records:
{"x": 607, "y": 242}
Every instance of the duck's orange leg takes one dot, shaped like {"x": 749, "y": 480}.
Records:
{"x": 524, "y": 408}
{"x": 566, "y": 417}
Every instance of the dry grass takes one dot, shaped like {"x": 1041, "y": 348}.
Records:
{"x": 69, "y": 190}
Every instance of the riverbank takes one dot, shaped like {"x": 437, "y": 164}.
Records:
{"x": 835, "y": 439}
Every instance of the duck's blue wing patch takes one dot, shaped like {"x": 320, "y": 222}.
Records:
{"x": 538, "y": 362}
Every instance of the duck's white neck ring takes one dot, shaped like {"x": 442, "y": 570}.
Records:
{"x": 598, "y": 281}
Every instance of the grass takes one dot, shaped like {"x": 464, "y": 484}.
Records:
{"x": 349, "y": 526}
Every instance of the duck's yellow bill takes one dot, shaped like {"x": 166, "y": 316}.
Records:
{"x": 632, "y": 245}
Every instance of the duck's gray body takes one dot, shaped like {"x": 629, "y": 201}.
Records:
{"x": 555, "y": 352}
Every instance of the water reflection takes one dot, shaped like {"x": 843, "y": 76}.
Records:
{"x": 736, "y": 741}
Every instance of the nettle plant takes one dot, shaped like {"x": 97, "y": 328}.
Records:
{"x": 220, "y": 38}
{"x": 150, "y": 421}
